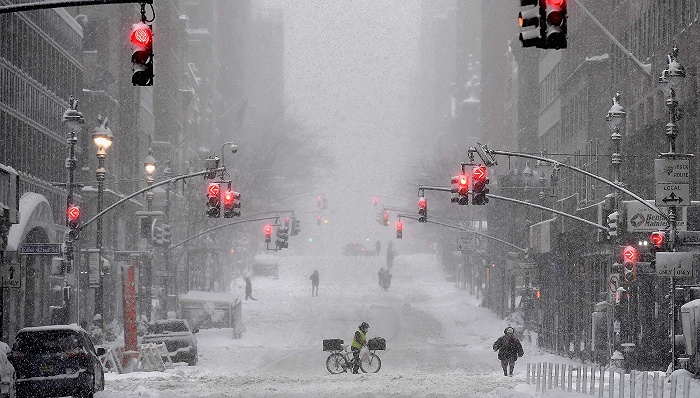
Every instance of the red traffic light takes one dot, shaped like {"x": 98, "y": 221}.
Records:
{"x": 555, "y": 2}
{"x": 479, "y": 173}
{"x": 463, "y": 180}
{"x": 630, "y": 255}
{"x": 658, "y": 238}
{"x": 399, "y": 226}
{"x": 73, "y": 213}
{"x": 375, "y": 200}
{"x": 228, "y": 198}
{"x": 213, "y": 190}
{"x": 268, "y": 230}
{"x": 422, "y": 203}
{"x": 141, "y": 35}
{"x": 386, "y": 215}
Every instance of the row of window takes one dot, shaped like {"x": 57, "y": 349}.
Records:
{"x": 660, "y": 22}
{"x": 25, "y": 96}
{"x": 35, "y": 54}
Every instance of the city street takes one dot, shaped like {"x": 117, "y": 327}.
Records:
{"x": 438, "y": 339}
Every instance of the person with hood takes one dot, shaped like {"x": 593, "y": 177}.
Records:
{"x": 358, "y": 341}
{"x": 314, "y": 283}
{"x": 509, "y": 349}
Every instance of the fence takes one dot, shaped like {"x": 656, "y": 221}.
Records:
{"x": 151, "y": 357}
{"x": 592, "y": 380}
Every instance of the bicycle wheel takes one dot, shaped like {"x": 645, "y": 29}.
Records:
{"x": 336, "y": 363}
{"x": 372, "y": 364}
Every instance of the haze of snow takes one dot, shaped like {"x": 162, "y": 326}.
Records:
{"x": 438, "y": 339}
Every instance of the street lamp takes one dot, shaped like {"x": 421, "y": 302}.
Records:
{"x": 149, "y": 164}
{"x": 72, "y": 118}
{"x": 170, "y": 286}
{"x": 102, "y": 137}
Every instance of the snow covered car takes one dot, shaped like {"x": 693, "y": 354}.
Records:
{"x": 178, "y": 337}
{"x": 7, "y": 373}
{"x": 56, "y": 360}
{"x": 357, "y": 249}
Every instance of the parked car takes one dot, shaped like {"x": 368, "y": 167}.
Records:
{"x": 178, "y": 337}
{"x": 7, "y": 373}
{"x": 357, "y": 249}
{"x": 56, "y": 360}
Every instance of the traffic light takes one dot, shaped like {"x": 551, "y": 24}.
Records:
{"x": 318, "y": 219}
{"x": 422, "y": 209}
{"x": 286, "y": 222}
{"x": 213, "y": 200}
{"x": 167, "y": 235}
{"x": 460, "y": 189}
{"x": 385, "y": 218}
{"x": 227, "y": 198}
{"x": 282, "y": 237}
{"x": 532, "y": 14}
{"x": 479, "y": 182}
{"x": 142, "y": 54}
{"x": 375, "y": 201}
{"x": 295, "y": 227}
{"x": 73, "y": 216}
{"x": 613, "y": 224}
{"x": 658, "y": 239}
{"x": 555, "y": 31}
{"x": 399, "y": 229}
{"x": 629, "y": 260}
{"x": 157, "y": 236}
{"x": 268, "y": 233}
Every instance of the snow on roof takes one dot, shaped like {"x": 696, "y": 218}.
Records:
{"x": 601, "y": 57}
{"x": 72, "y": 326}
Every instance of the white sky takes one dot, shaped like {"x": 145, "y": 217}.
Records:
{"x": 438, "y": 339}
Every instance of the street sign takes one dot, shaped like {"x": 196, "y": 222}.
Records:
{"x": 672, "y": 194}
{"x": 93, "y": 259}
{"x": 642, "y": 219}
{"x": 672, "y": 170}
{"x": 645, "y": 267}
{"x": 689, "y": 238}
{"x": 11, "y": 275}
{"x": 674, "y": 264}
{"x": 466, "y": 241}
{"x": 40, "y": 249}
{"x": 125, "y": 255}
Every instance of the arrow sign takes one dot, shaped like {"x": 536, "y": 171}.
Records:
{"x": 672, "y": 198}
{"x": 479, "y": 173}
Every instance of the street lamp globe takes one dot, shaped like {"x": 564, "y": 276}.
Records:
{"x": 676, "y": 72}
{"x": 149, "y": 163}
{"x": 527, "y": 173}
{"x": 616, "y": 115}
{"x": 73, "y": 118}
{"x": 102, "y": 135}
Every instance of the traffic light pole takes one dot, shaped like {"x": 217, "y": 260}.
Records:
{"x": 64, "y": 3}
{"x": 223, "y": 226}
{"x": 576, "y": 169}
{"x": 583, "y": 220}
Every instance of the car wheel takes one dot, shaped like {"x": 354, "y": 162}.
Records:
{"x": 89, "y": 391}
{"x": 193, "y": 361}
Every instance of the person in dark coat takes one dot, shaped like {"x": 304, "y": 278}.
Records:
{"x": 249, "y": 289}
{"x": 314, "y": 283}
{"x": 509, "y": 349}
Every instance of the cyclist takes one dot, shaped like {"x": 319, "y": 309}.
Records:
{"x": 358, "y": 341}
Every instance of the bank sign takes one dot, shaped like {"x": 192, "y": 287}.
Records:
{"x": 642, "y": 219}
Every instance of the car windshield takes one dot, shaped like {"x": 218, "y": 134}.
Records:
{"x": 162, "y": 327}
{"x": 49, "y": 341}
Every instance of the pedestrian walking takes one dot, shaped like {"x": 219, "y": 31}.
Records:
{"x": 509, "y": 350}
{"x": 390, "y": 255}
{"x": 314, "y": 283}
{"x": 249, "y": 289}
{"x": 377, "y": 247}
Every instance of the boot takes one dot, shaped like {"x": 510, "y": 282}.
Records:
{"x": 510, "y": 373}
{"x": 505, "y": 372}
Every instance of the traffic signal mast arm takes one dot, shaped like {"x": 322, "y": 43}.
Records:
{"x": 645, "y": 67}
{"x": 276, "y": 218}
{"x": 139, "y": 192}
{"x": 591, "y": 223}
{"x": 468, "y": 230}
{"x": 566, "y": 166}
{"x": 40, "y": 5}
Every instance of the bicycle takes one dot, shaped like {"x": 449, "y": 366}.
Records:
{"x": 340, "y": 360}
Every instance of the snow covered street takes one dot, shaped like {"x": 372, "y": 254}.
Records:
{"x": 438, "y": 339}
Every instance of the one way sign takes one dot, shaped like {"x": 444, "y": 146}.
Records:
{"x": 11, "y": 275}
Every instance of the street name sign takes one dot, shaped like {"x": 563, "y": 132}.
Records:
{"x": 674, "y": 264}
{"x": 466, "y": 241}
{"x": 125, "y": 255}
{"x": 689, "y": 238}
{"x": 40, "y": 249}
{"x": 11, "y": 275}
